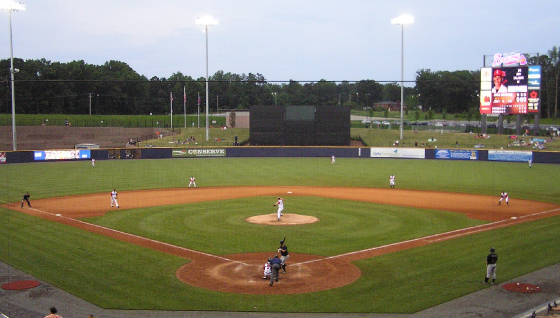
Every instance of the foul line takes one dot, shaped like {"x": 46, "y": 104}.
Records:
{"x": 476, "y": 228}
{"x": 139, "y": 237}
{"x": 441, "y": 236}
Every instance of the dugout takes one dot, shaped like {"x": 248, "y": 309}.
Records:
{"x": 299, "y": 125}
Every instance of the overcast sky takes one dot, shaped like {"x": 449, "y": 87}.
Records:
{"x": 283, "y": 40}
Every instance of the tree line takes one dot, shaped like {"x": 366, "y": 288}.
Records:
{"x": 77, "y": 87}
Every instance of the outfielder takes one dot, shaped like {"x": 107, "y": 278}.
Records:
{"x": 93, "y": 162}
{"x": 491, "y": 261}
{"x": 114, "y": 201}
{"x": 503, "y": 196}
{"x": 392, "y": 181}
{"x": 192, "y": 182}
{"x": 280, "y": 204}
{"x": 333, "y": 159}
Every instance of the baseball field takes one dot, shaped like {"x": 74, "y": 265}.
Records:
{"x": 355, "y": 244}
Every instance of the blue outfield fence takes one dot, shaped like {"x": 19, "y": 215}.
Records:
{"x": 264, "y": 152}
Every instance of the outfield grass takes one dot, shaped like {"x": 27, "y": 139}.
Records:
{"x": 479, "y": 177}
{"x": 106, "y": 272}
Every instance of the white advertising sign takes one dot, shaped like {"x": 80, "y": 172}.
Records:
{"x": 416, "y": 153}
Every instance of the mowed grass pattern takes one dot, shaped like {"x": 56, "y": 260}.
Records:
{"x": 489, "y": 178}
{"x": 113, "y": 274}
{"x": 219, "y": 227}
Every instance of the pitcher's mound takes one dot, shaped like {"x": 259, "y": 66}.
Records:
{"x": 286, "y": 219}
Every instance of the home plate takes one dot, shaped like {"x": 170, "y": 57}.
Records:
{"x": 58, "y": 214}
{"x": 514, "y": 217}
{"x": 290, "y": 192}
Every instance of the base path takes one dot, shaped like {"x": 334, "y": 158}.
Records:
{"x": 242, "y": 273}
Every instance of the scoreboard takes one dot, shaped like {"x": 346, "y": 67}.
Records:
{"x": 299, "y": 125}
{"x": 510, "y": 90}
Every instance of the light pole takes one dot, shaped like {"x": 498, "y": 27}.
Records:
{"x": 274, "y": 95}
{"x": 206, "y": 21}
{"x": 403, "y": 19}
{"x": 10, "y": 6}
{"x": 89, "y": 95}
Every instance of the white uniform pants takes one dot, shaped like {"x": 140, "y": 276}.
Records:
{"x": 279, "y": 212}
{"x": 491, "y": 271}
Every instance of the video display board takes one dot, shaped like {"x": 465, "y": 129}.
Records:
{"x": 510, "y": 90}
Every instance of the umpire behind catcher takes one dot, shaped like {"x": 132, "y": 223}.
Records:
{"x": 275, "y": 264}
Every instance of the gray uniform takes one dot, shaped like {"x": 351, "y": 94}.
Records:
{"x": 275, "y": 264}
{"x": 491, "y": 261}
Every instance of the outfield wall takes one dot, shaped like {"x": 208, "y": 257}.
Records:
{"x": 269, "y": 152}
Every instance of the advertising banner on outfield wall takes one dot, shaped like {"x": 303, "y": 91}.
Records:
{"x": 454, "y": 154}
{"x": 61, "y": 154}
{"x": 196, "y": 153}
{"x": 506, "y": 155}
{"x": 397, "y": 153}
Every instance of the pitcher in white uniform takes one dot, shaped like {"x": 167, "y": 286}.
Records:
{"x": 280, "y": 205}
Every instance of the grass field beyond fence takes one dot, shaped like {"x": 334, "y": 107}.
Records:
{"x": 114, "y": 274}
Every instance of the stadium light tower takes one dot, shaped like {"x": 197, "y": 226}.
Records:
{"x": 11, "y": 6}
{"x": 402, "y": 20}
{"x": 206, "y": 21}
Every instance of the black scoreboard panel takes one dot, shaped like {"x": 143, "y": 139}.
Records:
{"x": 266, "y": 125}
{"x": 300, "y": 125}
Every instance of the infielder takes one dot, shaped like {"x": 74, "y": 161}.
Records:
{"x": 392, "y": 181}
{"x": 26, "y": 199}
{"x": 114, "y": 201}
{"x": 491, "y": 261}
{"x": 192, "y": 182}
{"x": 503, "y": 196}
{"x": 284, "y": 255}
{"x": 280, "y": 204}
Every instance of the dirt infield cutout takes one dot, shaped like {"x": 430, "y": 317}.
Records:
{"x": 286, "y": 219}
{"x": 242, "y": 273}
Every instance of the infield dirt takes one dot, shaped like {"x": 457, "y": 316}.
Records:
{"x": 242, "y": 273}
